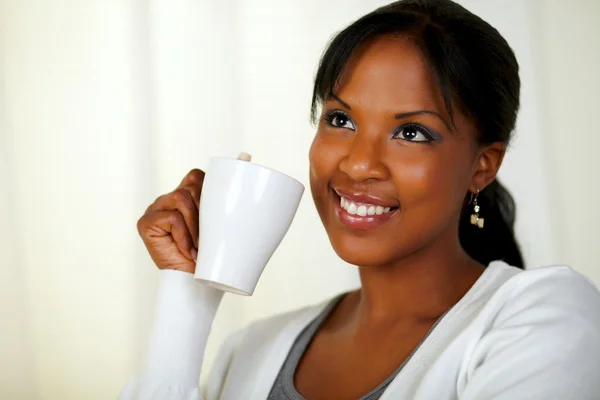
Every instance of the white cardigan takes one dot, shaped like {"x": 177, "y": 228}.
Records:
{"x": 516, "y": 334}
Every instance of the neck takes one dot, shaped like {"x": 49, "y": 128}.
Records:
{"x": 420, "y": 286}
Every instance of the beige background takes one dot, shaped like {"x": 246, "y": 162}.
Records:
{"x": 104, "y": 105}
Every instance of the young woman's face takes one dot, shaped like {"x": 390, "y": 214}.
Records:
{"x": 386, "y": 140}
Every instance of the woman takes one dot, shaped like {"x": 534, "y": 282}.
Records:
{"x": 419, "y": 99}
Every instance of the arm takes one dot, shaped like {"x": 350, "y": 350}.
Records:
{"x": 184, "y": 315}
{"x": 544, "y": 344}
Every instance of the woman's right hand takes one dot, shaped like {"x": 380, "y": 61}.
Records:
{"x": 169, "y": 227}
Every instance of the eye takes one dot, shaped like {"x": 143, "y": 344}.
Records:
{"x": 414, "y": 133}
{"x": 339, "y": 119}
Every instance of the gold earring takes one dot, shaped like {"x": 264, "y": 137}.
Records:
{"x": 475, "y": 220}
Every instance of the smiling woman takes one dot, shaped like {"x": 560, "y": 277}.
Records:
{"x": 417, "y": 102}
{"x": 386, "y": 132}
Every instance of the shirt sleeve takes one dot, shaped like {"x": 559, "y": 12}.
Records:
{"x": 185, "y": 311}
{"x": 544, "y": 344}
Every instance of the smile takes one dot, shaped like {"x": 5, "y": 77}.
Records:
{"x": 357, "y": 212}
{"x": 362, "y": 209}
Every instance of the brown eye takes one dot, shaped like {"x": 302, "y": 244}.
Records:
{"x": 339, "y": 119}
{"x": 413, "y": 133}
{"x": 410, "y": 133}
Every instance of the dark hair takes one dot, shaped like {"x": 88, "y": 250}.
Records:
{"x": 476, "y": 71}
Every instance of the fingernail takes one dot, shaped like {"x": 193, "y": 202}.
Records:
{"x": 194, "y": 254}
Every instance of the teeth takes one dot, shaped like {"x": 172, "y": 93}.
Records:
{"x": 351, "y": 209}
{"x": 362, "y": 210}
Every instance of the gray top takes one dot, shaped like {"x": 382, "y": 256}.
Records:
{"x": 284, "y": 389}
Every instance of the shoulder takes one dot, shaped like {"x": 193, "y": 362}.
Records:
{"x": 543, "y": 324}
{"x": 551, "y": 289}
{"x": 263, "y": 331}
{"x": 552, "y": 300}
{"x": 255, "y": 344}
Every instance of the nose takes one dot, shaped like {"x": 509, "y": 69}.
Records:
{"x": 363, "y": 161}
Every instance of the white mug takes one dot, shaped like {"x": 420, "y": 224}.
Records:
{"x": 245, "y": 211}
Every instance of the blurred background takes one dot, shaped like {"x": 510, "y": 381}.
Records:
{"x": 105, "y": 105}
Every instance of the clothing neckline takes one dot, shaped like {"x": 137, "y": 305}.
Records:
{"x": 289, "y": 373}
{"x": 288, "y": 379}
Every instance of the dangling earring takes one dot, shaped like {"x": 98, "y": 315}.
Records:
{"x": 475, "y": 220}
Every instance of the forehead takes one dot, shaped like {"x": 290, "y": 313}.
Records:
{"x": 390, "y": 73}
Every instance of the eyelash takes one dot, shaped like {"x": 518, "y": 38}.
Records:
{"x": 431, "y": 137}
{"x": 330, "y": 116}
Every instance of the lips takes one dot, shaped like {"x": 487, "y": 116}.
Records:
{"x": 365, "y": 198}
{"x": 362, "y": 211}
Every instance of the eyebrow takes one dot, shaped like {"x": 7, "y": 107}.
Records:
{"x": 342, "y": 102}
{"x": 402, "y": 115}
{"x": 422, "y": 112}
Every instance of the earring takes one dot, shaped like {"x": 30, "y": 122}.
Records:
{"x": 475, "y": 220}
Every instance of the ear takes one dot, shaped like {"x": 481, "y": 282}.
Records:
{"x": 487, "y": 165}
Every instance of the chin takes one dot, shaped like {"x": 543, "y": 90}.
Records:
{"x": 361, "y": 253}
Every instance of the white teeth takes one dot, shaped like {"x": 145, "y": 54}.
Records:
{"x": 362, "y": 210}
{"x": 352, "y": 209}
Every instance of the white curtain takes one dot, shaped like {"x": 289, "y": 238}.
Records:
{"x": 104, "y": 105}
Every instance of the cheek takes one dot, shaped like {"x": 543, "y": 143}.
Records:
{"x": 314, "y": 163}
{"x": 431, "y": 177}
{"x": 324, "y": 157}
{"x": 319, "y": 172}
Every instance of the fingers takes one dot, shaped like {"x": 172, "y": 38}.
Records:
{"x": 158, "y": 224}
{"x": 169, "y": 227}
{"x": 193, "y": 178}
{"x": 193, "y": 182}
{"x": 195, "y": 192}
{"x": 181, "y": 200}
